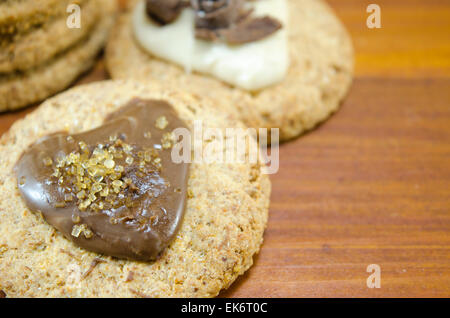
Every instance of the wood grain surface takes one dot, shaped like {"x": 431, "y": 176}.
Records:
{"x": 372, "y": 184}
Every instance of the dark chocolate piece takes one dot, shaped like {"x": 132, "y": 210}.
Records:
{"x": 229, "y": 21}
{"x": 215, "y": 20}
{"x": 251, "y": 30}
{"x": 207, "y": 34}
{"x": 216, "y": 14}
{"x": 165, "y": 11}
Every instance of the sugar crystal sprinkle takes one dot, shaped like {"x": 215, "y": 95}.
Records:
{"x": 167, "y": 141}
{"x": 161, "y": 122}
{"x": 22, "y": 180}
{"x": 48, "y": 161}
{"x": 97, "y": 179}
{"x": 82, "y": 229}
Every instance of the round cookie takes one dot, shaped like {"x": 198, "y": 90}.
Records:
{"x": 223, "y": 225}
{"x": 24, "y": 15}
{"x": 319, "y": 76}
{"x": 25, "y": 51}
{"x": 21, "y": 89}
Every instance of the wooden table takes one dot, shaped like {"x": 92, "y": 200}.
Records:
{"x": 372, "y": 184}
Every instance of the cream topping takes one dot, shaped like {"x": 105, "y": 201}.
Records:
{"x": 250, "y": 66}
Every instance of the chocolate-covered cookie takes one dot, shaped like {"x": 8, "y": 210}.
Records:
{"x": 92, "y": 206}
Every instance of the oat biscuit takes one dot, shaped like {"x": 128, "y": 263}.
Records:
{"x": 24, "y": 15}
{"x": 27, "y": 50}
{"x": 21, "y": 89}
{"x": 223, "y": 225}
{"x": 319, "y": 76}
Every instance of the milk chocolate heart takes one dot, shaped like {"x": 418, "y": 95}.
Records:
{"x": 112, "y": 190}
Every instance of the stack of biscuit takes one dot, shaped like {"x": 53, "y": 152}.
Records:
{"x": 41, "y": 52}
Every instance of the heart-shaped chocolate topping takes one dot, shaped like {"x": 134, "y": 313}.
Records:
{"x": 115, "y": 189}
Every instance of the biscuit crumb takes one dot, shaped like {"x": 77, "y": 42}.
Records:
{"x": 94, "y": 263}
{"x": 130, "y": 276}
{"x": 142, "y": 295}
{"x": 69, "y": 253}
